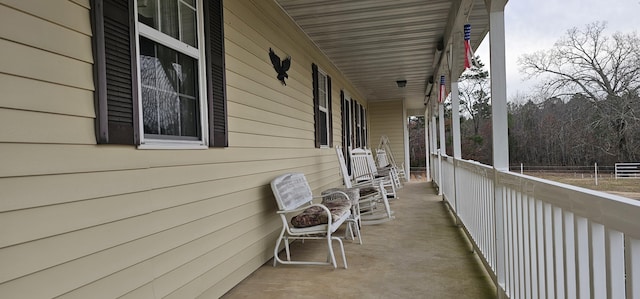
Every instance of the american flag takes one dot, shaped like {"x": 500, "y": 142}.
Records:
{"x": 442, "y": 94}
{"x": 468, "y": 52}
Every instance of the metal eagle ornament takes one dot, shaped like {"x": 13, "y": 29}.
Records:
{"x": 281, "y": 67}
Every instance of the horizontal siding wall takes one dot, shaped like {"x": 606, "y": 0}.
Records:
{"x": 386, "y": 119}
{"x": 80, "y": 220}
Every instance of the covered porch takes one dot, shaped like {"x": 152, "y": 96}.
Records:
{"x": 536, "y": 238}
{"x": 420, "y": 254}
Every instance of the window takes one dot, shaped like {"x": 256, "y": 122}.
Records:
{"x": 322, "y": 108}
{"x": 160, "y": 75}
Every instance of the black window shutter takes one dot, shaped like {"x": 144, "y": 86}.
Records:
{"x": 330, "y": 112}
{"x": 216, "y": 82}
{"x": 354, "y": 141}
{"x": 344, "y": 108}
{"x": 316, "y": 103}
{"x": 364, "y": 125}
{"x": 114, "y": 72}
{"x": 343, "y": 118}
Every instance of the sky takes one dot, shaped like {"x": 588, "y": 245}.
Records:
{"x": 534, "y": 25}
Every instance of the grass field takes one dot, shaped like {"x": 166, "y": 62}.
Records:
{"x": 606, "y": 183}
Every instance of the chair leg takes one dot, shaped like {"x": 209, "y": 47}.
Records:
{"x": 331, "y": 255}
{"x": 275, "y": 250}
{"x": 344, "y": 258}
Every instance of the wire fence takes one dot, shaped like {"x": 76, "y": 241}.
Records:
{"x": 548, "y": 169}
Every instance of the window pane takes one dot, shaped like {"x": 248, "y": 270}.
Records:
{"x": 322, "y": 90}
{"x": 188, "y": 25}
{"x": 187, "y": 75}
{"x": 169, "y": 91}
{"x": 169, "y": 23}
{"x": 150, "y": 108}
{"x": 169, "y": 113}
{"x": 189, "y": 118}
{"x": 147, "y": 63}
{"x": 180, "y": 24}
{"x": 148, "y": 12}
{"x": 167, "y": 78}
{"x": 323, "y": 128}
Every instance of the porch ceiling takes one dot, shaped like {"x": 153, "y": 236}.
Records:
{"x": 377, "y": 42}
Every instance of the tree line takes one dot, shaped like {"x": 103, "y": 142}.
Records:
{"x": 586, "y": 110}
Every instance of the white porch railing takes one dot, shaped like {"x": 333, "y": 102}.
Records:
{"x": 542, "y": 239}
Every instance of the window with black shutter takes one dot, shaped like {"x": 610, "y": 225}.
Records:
{"x": 155, "y": 86}
{"x": 322, "y": 108}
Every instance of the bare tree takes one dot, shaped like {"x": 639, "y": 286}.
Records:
{"x": 475, "y": 94}
{"x": 603, "y": 69}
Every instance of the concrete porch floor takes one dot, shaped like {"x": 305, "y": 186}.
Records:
{"x": 420, "y": 254}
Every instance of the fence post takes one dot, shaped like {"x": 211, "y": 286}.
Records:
{"x": 521, "y": 169}
{"x": 596, "y": 169}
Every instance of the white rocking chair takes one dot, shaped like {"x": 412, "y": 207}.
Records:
{"x": 364, "y": 169}
{"x": 384, "y": 158}
{"x": 312, "y": 221}
{"x": 372, "y": 194}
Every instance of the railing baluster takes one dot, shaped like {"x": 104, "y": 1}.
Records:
{"x": 598, "y": 259}
{"x": 632, "y": 253}
{"x": 570, "y": 255}
{"x": 558, "y": 242}
{"x": 542, "y": 269}
{"x": 615, "y": 260}
{"x": 583, "y": 261}
{"x": 533, "y": 247}
{"x": 548, "y": 250}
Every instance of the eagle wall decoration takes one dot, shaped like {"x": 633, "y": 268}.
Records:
{"x": 281, "y": 67}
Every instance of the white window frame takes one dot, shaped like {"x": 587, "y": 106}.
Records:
{"x": 199, "y": 53}
{"x": 324, "y": 98}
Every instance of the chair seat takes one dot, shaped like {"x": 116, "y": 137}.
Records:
{"x": 314, "y": 216}
{"x": 367, "y": 191}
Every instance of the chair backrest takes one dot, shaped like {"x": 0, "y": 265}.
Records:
{"x": 386, "y": 147}
{"x": 381, "y": 157}
{"x": 343, "y": 167}
{"x": 291, "y": 190}
{"x": 361, "y": 166}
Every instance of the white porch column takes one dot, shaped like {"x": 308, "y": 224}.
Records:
{"x": 455, "y": 121}
{"x": 434, "y": 139}
{"x": 434, "y": 134}
{"x": 406, "y": 162}
{"x": 500, "y": 140}
{"x": 427, "y": 146}
{"x": 443, "y": 148}
{"x": 443, "y": 144}
{"x": 498, "y": 89}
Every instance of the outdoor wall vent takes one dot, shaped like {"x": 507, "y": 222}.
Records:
{"x": 401, "y": 83}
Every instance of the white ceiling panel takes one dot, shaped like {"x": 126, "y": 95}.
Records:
{"x": 377, "y": 42}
